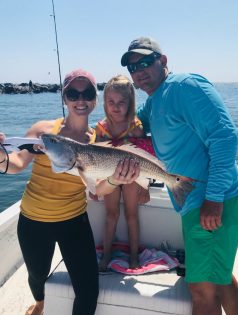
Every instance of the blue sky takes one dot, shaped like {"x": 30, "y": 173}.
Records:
{"x": 197, "y": 36}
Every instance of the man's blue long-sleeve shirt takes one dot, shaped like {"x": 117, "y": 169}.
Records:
{"x": 194, "y": 136}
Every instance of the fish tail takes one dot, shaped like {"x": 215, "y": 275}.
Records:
{"x": 180, "y": 190}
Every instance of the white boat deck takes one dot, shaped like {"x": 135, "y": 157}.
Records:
{"x": 15, "y": 295}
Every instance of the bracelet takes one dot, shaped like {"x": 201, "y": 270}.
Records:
{"x": 108, "y": 180}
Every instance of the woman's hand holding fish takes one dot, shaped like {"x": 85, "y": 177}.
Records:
{"x": 126, "y": 172}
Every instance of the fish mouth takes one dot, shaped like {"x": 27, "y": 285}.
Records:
{"x": 39, "y": 147}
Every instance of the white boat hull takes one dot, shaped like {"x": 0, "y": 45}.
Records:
{"x": 11, "y": 257}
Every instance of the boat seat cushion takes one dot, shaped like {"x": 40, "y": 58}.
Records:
{"x": 155, "y": 293}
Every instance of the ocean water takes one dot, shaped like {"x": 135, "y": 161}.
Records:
{"x": 19, "y": 112}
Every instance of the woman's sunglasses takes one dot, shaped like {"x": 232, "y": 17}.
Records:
{"x": 143, "y": 63}
{"x": 74, "y": 95}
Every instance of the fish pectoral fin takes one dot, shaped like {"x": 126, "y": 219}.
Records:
{"x": 89, "y": 182}
{"x": 81, "y": 174}
{"x": 143, "y": 182}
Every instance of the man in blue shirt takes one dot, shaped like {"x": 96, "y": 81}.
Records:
{"x": 194, "y": 136}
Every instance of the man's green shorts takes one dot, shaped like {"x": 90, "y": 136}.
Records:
{"x": 210, "y": 255}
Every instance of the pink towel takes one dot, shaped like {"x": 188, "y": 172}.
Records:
{"x": 150, "y": 260}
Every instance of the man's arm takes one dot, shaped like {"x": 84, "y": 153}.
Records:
{"x": 206, "y": 114}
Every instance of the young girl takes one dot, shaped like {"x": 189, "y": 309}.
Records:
{"x": 119, "y": 125}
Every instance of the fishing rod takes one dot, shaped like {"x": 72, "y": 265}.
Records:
{"x": 57, "y": 49}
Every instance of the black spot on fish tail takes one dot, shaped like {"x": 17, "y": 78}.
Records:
{"x": 180, "y": 190}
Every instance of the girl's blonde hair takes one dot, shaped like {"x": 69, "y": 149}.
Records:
{"x": 123, "y": 85}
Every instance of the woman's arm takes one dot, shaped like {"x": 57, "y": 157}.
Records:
{"x": 18, "y": 161}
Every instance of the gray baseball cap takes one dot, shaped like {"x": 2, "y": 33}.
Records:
{"x": 143, "y": 46}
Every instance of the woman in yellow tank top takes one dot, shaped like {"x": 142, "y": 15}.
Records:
{"x": 53, "y": 207}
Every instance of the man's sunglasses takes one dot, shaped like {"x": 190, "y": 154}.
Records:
{"x": 74, "y": 95}
{"x": 143, "y": 63}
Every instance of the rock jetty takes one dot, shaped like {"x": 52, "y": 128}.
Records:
{"x": 24, "y": 88}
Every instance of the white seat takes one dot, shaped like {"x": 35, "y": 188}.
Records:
{"x": 156, "y": 293}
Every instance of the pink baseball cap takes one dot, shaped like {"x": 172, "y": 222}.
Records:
{"x": 77, "y": 74}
